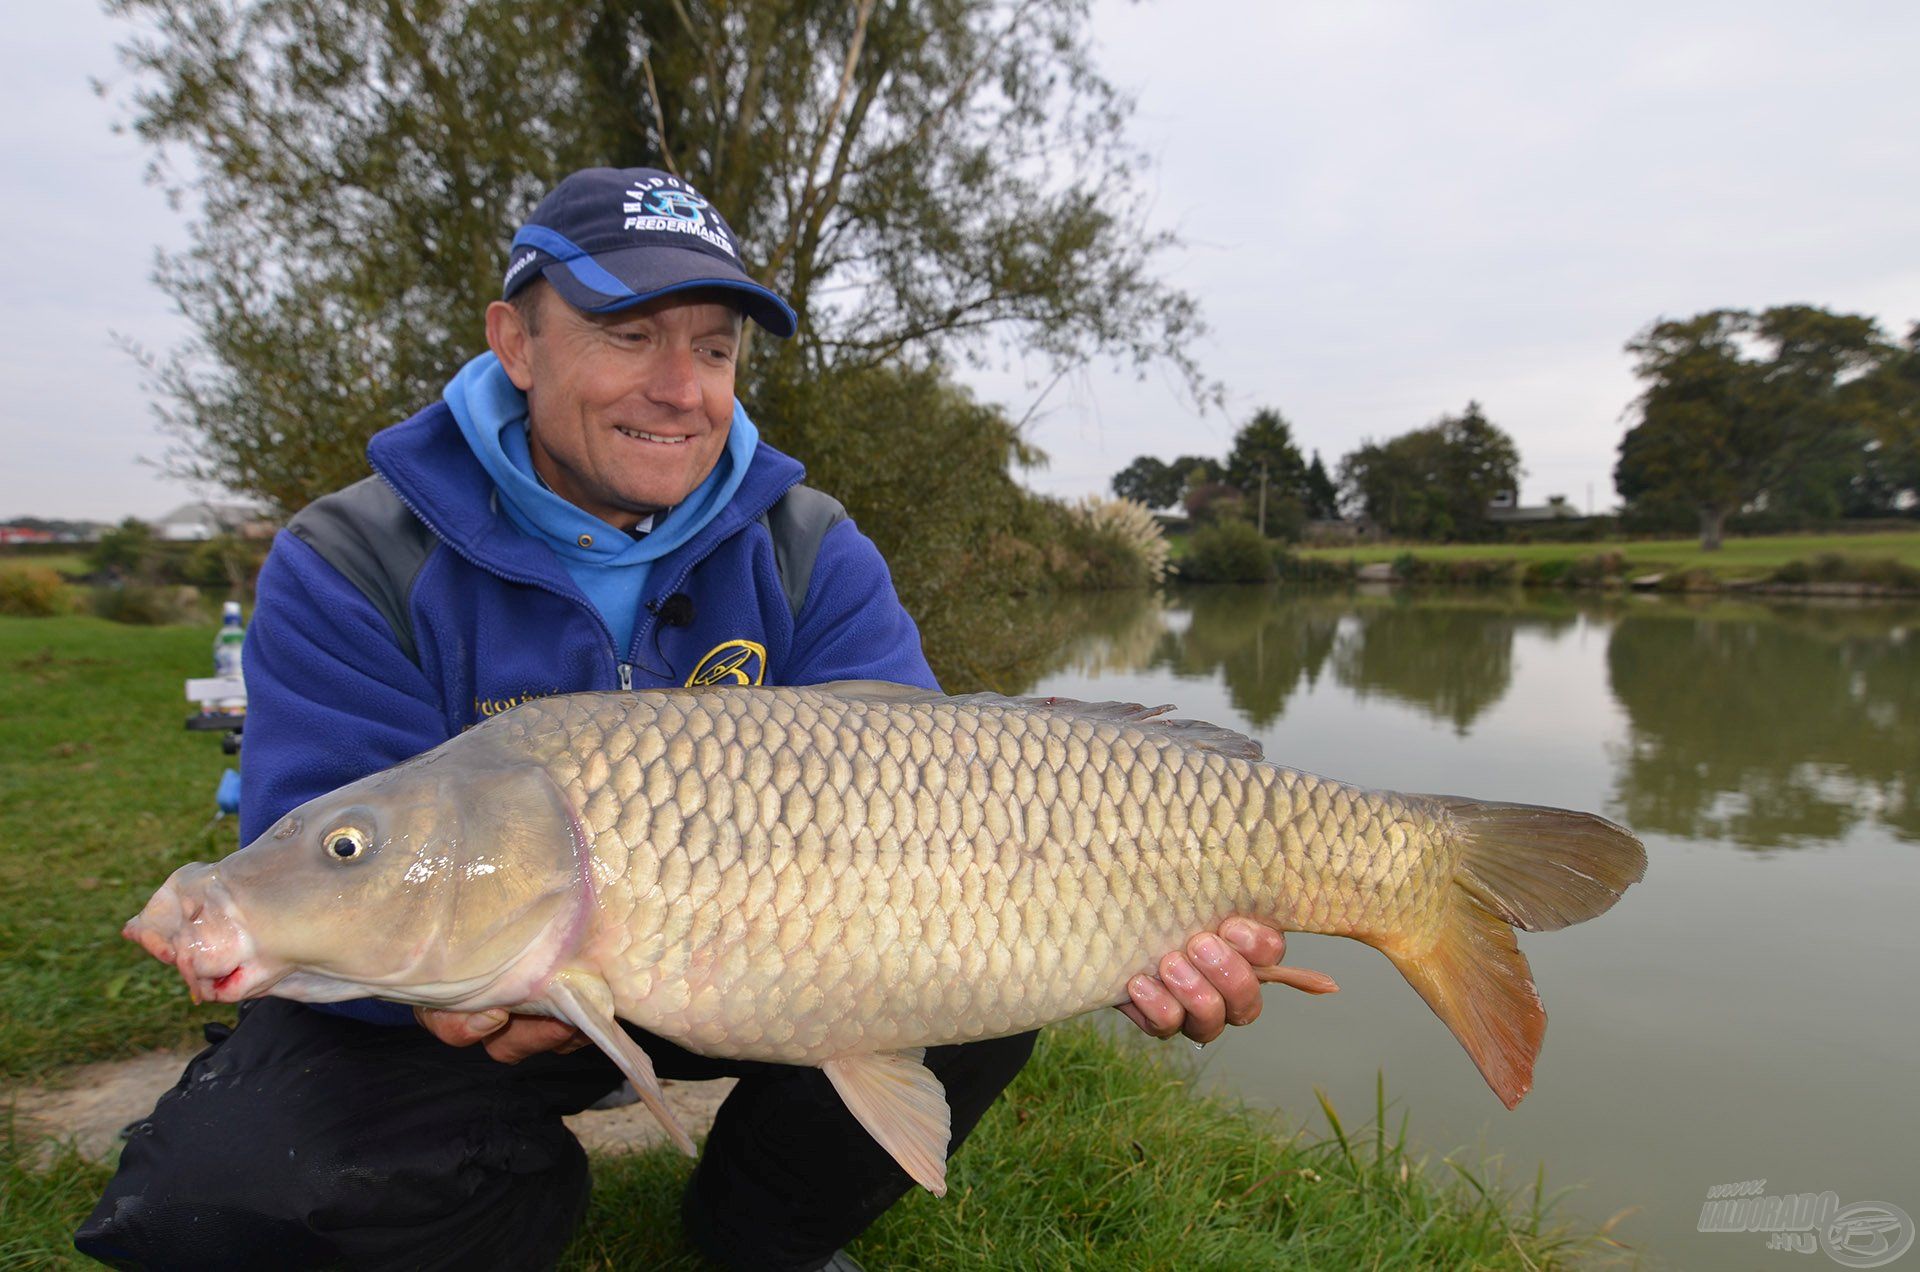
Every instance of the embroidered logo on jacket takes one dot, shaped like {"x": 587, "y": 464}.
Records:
{"x": 494, "y": 706}
{"x": 735, "y": 662}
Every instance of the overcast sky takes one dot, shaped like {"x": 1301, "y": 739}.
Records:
{"x": 1389, "y": 209}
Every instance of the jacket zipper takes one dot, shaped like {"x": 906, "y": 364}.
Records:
{"x": 647, "y": 623}
{"x": 622, "y": 668}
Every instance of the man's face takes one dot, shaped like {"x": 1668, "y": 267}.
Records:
{"x": 628, "y": 412}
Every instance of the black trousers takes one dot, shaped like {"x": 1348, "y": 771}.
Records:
{"x": 306, "y": 1139}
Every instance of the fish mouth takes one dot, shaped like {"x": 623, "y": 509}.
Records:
{"x": 192, "y": 925}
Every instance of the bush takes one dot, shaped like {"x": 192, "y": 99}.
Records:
{"x": 1831, "y": 567}
{"x": 144, "y": 606}
{"x": 223, "y": 563}
{"x": 33, "y": 592}
{"x": 1230, "y": 552}
{"x": 1116, "y": 544}
{"x": 1294, "y": 568}
{"x": 125, "y": 552}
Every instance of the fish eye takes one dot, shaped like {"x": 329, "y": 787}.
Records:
{"x": 346, "y": 844}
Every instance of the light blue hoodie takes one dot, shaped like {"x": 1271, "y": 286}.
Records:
{"x": 613, "y": 572}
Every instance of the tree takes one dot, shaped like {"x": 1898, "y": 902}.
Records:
{"x": 1146, "y": 480}
{"x": 1266, "y": 467}
{"x": 124, "y": 552}
{"x": 1321, "y": 495}
{"x": 1198, "y": 470}
{"x": 1434, "y": 482}
{"x": 918, "y": 178}
{"x": 1891, "y": 456}
{"x": 1213, "y": 502}
{"x": 1721, "y": 426}
{"x": 1264, "y": 453}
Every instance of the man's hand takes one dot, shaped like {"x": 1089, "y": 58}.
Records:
{"x": 1215, "y": 982}
{"x": 508, "y": 1039}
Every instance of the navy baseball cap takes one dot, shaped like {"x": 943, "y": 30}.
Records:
{"x": 611, "y": 238}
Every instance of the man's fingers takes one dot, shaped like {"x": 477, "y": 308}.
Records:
{"x": 1229, "y": 974}
{"x": 1259, "y": 944}
{"x": 1206, "y": 1010}
{"x": 509, "y": 1039}
{"x": 529, "y": 1036}
{"x": 1152, "y": 1008}
{"x": 461, "y": 1028}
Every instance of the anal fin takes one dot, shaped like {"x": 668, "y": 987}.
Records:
{"x": 585, "y": 1002}
{"x": 903, "y": 1106}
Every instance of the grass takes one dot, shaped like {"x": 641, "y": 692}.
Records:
{"x": 69, "y": 563}
{"x": 102, "y": 795}
{"x": 1737, "y": 559}
{"x": 1101, "y": 1155}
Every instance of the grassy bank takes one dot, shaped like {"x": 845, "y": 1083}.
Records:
{"x": 1738, "y": 559}
{"x": 103, "y": 793}
{"x": 1100, "y": 1156}
{"x": 67, "y": 563}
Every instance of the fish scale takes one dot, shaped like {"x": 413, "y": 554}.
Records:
{"x": 1156, "y": 839}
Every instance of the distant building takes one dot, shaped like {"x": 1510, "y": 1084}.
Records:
{"x": 1505, "y": 508}
{"x": 48, "y": 530}
{"x": 196, "y": 521}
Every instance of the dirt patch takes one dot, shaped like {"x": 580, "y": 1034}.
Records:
{"x": 100, "y": 1099}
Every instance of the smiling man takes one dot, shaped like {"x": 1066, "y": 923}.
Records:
{"x": 589, "y": 507}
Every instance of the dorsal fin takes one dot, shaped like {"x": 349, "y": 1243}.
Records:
{"x": 1194, "y": 733}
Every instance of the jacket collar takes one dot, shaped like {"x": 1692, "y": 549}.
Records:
{"x": 435, "y": 473}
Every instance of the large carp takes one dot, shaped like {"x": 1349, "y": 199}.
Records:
{"x": 844, "y": 875}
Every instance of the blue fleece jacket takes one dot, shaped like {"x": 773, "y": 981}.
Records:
{"x": 610, "y": 566}
{"x": 498, "y": 619}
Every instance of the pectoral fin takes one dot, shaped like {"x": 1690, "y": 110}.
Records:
{"x": 903, "y": 1106}
{"x": 585, "y": 1003}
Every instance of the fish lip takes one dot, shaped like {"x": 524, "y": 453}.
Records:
{"x": 246, "y": 979}
{"x": 203, "y": 933}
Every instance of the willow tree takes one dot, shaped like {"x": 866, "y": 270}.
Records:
{"x": 923, "y": 178}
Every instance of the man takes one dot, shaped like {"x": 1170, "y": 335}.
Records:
{"x": 589, "y": 508}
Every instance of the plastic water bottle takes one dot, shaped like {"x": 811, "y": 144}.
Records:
{"x": 226, "y": 653}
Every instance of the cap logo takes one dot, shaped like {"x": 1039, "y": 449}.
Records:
{"x": 515, "y": 268}
{"x": 676, "y": 209}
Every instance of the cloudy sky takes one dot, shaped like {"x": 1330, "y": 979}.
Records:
{"x": 1389, "y": 209}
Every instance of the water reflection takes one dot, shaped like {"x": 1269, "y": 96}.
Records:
{"x": 1761, "y": 725}
{"x": 1768, "y": 727}
{"x": 1262, "y": 650}
{"x": 1451, "y": 658}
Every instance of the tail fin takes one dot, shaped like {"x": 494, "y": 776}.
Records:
{"x": 1520, "y": 866}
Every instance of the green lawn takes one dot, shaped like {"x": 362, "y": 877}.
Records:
{"x": 1738, "y": 559}
{"x": 102, "y": 794}
{"x": 1100, "y": 1156}
{"x": 59, "y": 562}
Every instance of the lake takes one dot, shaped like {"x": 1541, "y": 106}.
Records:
{"x": 1749, "y": 1012}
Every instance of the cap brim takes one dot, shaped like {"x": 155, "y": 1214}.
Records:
{"x": 648, "y": 273}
